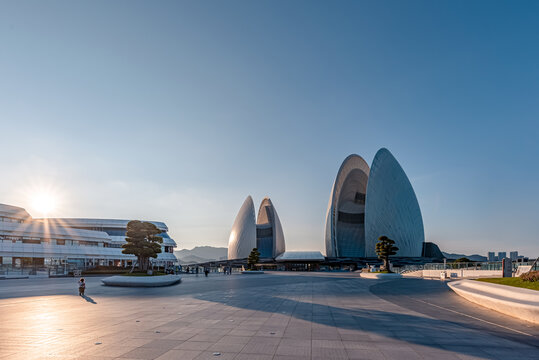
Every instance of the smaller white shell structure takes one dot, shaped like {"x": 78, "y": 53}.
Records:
{"x": 242, "y": 238}
{"x": 269, "y": 231}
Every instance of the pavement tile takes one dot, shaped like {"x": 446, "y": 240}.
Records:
{"x": 223, "y": 347}
{"x": 291, "y": 350}
{"x": 259, "y": 348}
{"x": 144, "y": 353}
{"x": 177, "y": 354}
{"x": 329, "y": 353}
{"x": 366, "y": 354}
{"x": 242, "y": 356}
{"x": 209, "y": 355}
{"x": 194, "y": 345}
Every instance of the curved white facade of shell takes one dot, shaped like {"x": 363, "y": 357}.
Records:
{"x": 391, "y": 208}
{"x": 269, "y": 231}
{"x": 345, "y": 226}
{"x": 266, "y": 233}
{"x": 367, "y": 203}
{"x": 242, "y": 238}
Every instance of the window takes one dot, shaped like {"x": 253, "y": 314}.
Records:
{"x": 60, "y": 242}
{"x": 87, "y": 243}
{"x": 359, "y": 198}
{"x": 264, "y": 232}
{"x": 351, "y": 218}
{"x": 27, "y": 241}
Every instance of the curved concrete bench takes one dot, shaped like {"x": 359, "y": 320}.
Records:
{"x": 513, "y": 301}
{"x": 142, "y": 281}
{"x": 370, "y": 275}
{"x": 252, "y": 272}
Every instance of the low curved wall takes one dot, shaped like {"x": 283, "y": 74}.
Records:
{"x": 369, "y": 275}
{"x": 513, "y": 301}
{"x": 142, "y": 281}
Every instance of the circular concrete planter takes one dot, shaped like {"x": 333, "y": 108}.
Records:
{"x": 369, "y": 275}
{"x": 252, "y": 272}
{"x": 142, "y": 281}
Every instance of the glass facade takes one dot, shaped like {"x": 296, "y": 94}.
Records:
{"x": 265, "y": 247}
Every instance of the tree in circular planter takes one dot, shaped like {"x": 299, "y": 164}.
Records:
{"x": 143, "y": 242}
{"x": 253, "y": 258}
{"x": 384, "y": 249}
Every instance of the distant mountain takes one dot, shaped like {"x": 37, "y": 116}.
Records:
{"x": 474, "y": 257}
{"x": 201, "y": 254}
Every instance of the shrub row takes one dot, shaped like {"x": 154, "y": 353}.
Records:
{"x": 530, "y": 276}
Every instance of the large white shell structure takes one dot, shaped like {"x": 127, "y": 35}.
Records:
{"x": 345, "y": 217}
{"x": 391, "y": 208}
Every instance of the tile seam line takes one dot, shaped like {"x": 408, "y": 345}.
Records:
{"x": 473, "y": 317}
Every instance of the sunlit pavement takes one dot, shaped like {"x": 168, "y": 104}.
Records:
{"x": 270, "y": 316}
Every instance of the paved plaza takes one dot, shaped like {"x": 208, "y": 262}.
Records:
{"x": 255, "y": 317}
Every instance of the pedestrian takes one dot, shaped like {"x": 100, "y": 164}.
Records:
{"x": 82, "y": 287}
{"x": 196, "y": 270}
{"x": 187, "y": 270}
{"x": 206, "y": 271}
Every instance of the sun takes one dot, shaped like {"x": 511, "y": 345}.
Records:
{"x": 44, "y": 203}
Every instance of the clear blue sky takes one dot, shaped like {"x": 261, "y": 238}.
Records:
{"x": 177, "y": 110}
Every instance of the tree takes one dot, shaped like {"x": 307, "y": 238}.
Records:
{"x": 384, "y": 249}
{"x": 142, "y": 242}
{"x": 253, "y": 258}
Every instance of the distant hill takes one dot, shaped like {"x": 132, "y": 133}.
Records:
{"x": 201, "y": 254}
{"x": 474, "y": 257}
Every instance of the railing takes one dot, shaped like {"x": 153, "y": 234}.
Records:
{"x": 492, "y": 266}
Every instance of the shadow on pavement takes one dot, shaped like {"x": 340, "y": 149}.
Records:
{"x": 89, "y": 299}
{"x": 440, "y": 335}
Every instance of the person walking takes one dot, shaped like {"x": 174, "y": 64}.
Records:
{"x": 82, "y": 286}
{"x": 206, "y": 271}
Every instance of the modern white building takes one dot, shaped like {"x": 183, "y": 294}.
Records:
{"x": 345, "y": 216}
{"x": 25, "y": 241}
{"x": 391, "y": 208}
{"x": 269, "y": 231}
{"x": 266, "y": 234}
{"x": 242, "y": 237}
{"x": 366, "y": 203}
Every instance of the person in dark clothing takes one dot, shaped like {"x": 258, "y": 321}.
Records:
{"x": 206, "y": 271}
{"x": 82, "y": 286}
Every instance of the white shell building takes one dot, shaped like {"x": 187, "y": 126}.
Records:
{"x": 243, "y": 234}
{"x": 367, "y": 203}
{"x": 392, "y": 208}
{"x": 345, "y": 217}
{"x": 266, "y": 233}
{"x": 269, "y": 231}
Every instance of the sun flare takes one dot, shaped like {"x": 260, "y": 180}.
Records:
{"x": 44, "y": 203}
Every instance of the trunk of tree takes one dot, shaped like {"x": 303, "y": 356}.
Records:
{"x": 141, "y": 263}
{"x": 386, "y": 263}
